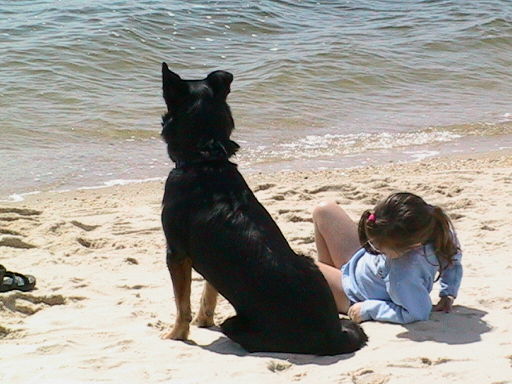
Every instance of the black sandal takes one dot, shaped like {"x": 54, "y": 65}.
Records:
{"x": 16, "y": 281}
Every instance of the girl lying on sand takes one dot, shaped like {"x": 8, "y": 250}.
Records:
{"x": 385, "y": 268}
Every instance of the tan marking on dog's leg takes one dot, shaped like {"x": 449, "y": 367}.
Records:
{"x": 181, "y": 275}
{"x": 204, "y": 317}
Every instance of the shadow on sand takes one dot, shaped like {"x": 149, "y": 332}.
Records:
{"x": 225, "y": 346}
{"x": 463, "y": 325}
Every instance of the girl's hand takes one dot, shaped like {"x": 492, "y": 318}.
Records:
{"x": 445, "y": 304}
{"x": 354, "y": 312}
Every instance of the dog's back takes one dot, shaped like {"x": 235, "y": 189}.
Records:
{"x": 210, "y": 216}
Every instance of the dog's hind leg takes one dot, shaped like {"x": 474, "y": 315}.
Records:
{"x": 234, "y": 326}
{"x": 239, "y": 329}
{"x": 181, "y": 275}
{"x": 204, "y": 317}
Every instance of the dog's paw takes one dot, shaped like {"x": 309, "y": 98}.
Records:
{"x": 177, "y": 333}
{"x": 203, "y": 321}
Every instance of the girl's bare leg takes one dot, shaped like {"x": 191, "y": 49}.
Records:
{"x": 336, "y": 241}
{"x": 335, "y": 234}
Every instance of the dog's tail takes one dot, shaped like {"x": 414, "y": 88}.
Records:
{"x": 353, "y": 337}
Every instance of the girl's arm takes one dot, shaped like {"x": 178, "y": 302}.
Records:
{"x": 451, "y": 277}
{"x": 450, "y": 283}
{"x": 410, "y": 298}
{"x": 413, "y": 307}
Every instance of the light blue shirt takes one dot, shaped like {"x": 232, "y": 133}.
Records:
{"x": 398, "y": 290}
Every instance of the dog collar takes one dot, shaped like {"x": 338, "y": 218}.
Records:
{"x": 211, "y": 151}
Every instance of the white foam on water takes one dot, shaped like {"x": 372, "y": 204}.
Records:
{"x": 422, "y": 155}
{"x": 17, "y": 197}
{"x": 328, "y": 145}
{"x": 119, "y": 182}
{"x": 507, "y": 117}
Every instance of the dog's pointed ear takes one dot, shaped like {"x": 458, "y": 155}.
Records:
{"x": 220, "y": 82}
{"x": 174, "y": 88}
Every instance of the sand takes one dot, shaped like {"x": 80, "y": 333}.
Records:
{"x": 104, "y": 295}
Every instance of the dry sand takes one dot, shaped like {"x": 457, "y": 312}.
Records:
{"x": 104, "y": 295}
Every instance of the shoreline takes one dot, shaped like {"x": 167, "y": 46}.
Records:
{"x": 104, "y": 294}
{"x": 248, "y": 172}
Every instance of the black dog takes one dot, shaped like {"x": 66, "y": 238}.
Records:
{"x": 213, "y": 223}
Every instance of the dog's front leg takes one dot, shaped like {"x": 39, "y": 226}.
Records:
{"x": 204, "y": 317}
{"x": 181, "y": 276}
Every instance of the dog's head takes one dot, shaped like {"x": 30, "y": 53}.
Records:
{"x": 198, "y": 122}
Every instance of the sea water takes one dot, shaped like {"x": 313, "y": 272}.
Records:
{"x": 318, "y": 84}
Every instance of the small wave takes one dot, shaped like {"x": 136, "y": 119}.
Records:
{"x": 329, "y": 145}
{"x": 17, "y": 197}
{"x": 118, "y": 182}
{"x": 507, "y": 117}
{"x": 502, "y": 127}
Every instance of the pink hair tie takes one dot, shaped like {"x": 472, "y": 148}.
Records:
{"x": 372, "y": 218}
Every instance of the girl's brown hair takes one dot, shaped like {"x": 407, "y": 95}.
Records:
{"x": 404, "y": 219}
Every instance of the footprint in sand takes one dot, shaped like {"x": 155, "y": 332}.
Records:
{"x": 283, "y": 211}
{"x": 486, "y": 227}
{"x": 368, "y": 376}
{"x": 91, "y": 243}
{"x": 79, "y": 282}
{"x": 4, "y": 231}
{"x": 278, "y": 366}
{"x": 360, "y": 196}
{"x": 131, "y": 261}
{"x": 28, "y": 304}
{"x": 144, "y": 231}
{"x": 448, "y": 191}
{"x": 12, "y": 238}
{"x": 460, "y": 203}
{"x": 496, "y": 303}
{"x": 85, "y": 227}
{"x": 5, "y": 332}
{"x": 456, "y": 216}
{"x": 17, "y": 214}
{"x": 56, "y": 227}
{"x": 298, "y": 219}
{"x": 15, "y": 242}
{"x": 419, "y": 362}
{"x": 122, "y": 227}
{"x": 263, "y": 187}
{"x": 299, "y": 376}
{"x": 303, "y": 240}
{"x": 379, "y": 184}
{"x": 372, "y": 200}
{"x": 304, "y": 196}
{"x": 282, "y": 195}
{"x": 135, "y": 287}
{"x": 20, "y": 211}
{"x": 334, "y": 188}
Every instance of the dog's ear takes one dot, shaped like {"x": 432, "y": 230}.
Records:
{"x": 174, "y": 88}
{"x": 220, "y": 82}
